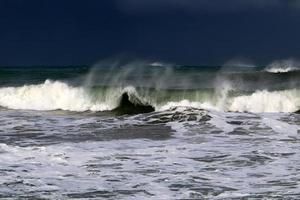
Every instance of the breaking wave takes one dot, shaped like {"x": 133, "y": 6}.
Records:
{"x": 265, "y": 101}
{"x": 55, "y": 95}
{"x": 51, "y": 95}
{"x": 283, "y": 66}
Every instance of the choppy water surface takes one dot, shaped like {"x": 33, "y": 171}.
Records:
{"x": 180, "y": 153}
{"x": 150, "y": 131}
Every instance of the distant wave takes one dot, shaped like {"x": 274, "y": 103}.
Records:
{"x": 239, "y": 63}
{"x": 282, "y": 70}
{"x": 55, "y": 95}
{"x": 160, "y": 64}
{"x": 157, "y": 64}
{"x": 283, "y": 66}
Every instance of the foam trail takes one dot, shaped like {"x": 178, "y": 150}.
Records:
{"x": 280, "y": 126}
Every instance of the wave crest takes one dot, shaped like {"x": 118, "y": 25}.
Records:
{"x": 51, "y": 95}
{"x": 265, "y": 101}
{"x": 56, "y": 95}
{"x": 283, "y": 66}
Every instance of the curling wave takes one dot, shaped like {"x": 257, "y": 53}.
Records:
{"x": 55, "y": 95}
{"x": 51, "y": 95}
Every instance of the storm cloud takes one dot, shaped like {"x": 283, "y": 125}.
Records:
{"x": 177, "y": 31}
{"x": 144, "y": 6}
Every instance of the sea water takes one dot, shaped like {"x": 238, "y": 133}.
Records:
{"x": 215, "y": 132}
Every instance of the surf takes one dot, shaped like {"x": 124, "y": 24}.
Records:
{"x": 283, "y": 66}
{"x": 58, "y": 95}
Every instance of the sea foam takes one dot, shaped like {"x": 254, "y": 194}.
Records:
{"x": 55, "y": 95}
{"x": 283, "y": 66}
{"x": 50, "y": 95}
{"x": 266, "y": 101}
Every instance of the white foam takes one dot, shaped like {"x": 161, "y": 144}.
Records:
{"x": 265, "y": 101}
{"x": 160, "y": 64}
{"x": 258, "y": 102}
{"x": 54, "y": 95}
{"x": 283, "y": 66}
{"x": 186, "y": 103}
{"x": 219, "y": 120}
{"x": 280, "y": 127}
{"x": 51, "y": 95}
{"x": 281, "y": 70}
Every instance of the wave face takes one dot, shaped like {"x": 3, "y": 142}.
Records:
{"x": 55, "y": 95}
{"x": 101, "y": 88}
{"x": 51, "y": 95}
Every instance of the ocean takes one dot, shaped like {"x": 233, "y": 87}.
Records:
{"x": 150, "y": 130}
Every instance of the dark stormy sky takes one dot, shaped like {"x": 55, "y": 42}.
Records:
{"x": 65, "y": 32}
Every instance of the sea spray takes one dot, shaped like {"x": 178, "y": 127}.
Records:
{"x": 283, "y": 66}
{"x": 163, "y": 87}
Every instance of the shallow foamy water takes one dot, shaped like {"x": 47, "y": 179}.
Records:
{"x": 174, "y": 154}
